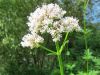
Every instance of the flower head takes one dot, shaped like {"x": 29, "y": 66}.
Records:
{"x": 48, "y": 19}
{"x": 31, "y": 40}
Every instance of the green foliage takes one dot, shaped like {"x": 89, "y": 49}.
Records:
{"x": 92, "y": 72}
{"x": 87, "y": 55}
{"x": 15, "y": 59}
{"x": 70, "y": 66}
{"x": 55, "y": 72}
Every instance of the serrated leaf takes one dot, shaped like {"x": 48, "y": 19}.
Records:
{"x": 87, "y": 55}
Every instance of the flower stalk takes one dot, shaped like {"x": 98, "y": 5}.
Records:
{"x": 59, "y": 59}
{"x": 59, "y": 53}
{"x": 85, "y": 30}
{"x": 51, "y": 51}
{"x": 60, "y": 64}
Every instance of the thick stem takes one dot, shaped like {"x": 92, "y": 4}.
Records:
{"x": 59, "y": 59}
{"x": 59, "y": 52}
{"x": 60, "y": 65}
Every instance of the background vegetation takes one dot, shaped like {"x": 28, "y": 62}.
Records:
{"x": 15, "y": 60}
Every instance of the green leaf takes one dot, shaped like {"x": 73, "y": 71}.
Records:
{"x": 70, "y": 66}
{"x": 87, "y": 55}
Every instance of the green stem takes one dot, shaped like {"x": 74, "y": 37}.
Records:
{"x": 47, "y": 49}
{"x": 60, "y": 65}
{"x": 87, "y": 67}
{"x": 59, "y": 51}
{"x": 64, "y": 42}
{"x": 57, "y": 45}
{"x": 66, "y": 36}
{"x": 59, "y": 59}
{"x": 85, "y": 31}
{"x": 85, "y": 37}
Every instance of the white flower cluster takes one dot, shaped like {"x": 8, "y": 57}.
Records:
{"x": 48, "y": 19}
{"x": 31, "y": 40}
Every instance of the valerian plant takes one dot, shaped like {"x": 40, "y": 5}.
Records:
{"x": 50, "y": 19}
{"x": 88, "y": 55}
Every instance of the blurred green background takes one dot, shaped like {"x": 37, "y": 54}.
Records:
{"x": 15, "y": 60}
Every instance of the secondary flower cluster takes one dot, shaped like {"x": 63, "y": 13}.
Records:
{"x": 31, "y": 40}
{"x": 48, "y": 19}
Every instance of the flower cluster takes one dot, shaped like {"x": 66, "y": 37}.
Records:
{"x": 31, "y": 40}
{"x": 48, "y": 19}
